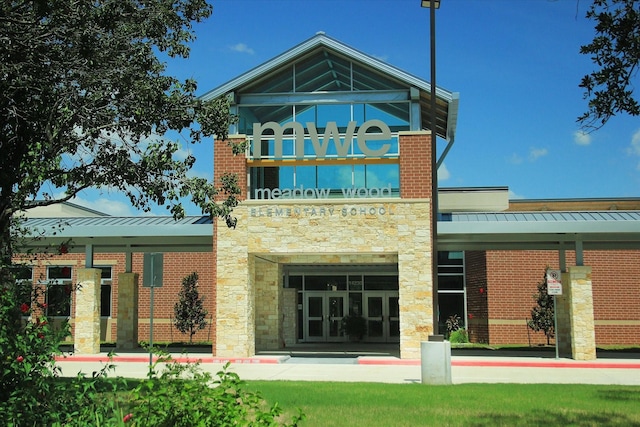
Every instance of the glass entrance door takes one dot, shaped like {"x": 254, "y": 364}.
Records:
{"x": 382, "y": 312}
{"x": 324, "y": 312}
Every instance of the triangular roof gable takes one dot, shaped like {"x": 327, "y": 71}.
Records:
{"x": 447, "y": 101}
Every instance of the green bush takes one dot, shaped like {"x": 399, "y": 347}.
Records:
{"x": 459, "y": 336}
{"x": 29, "y": 391}
{"x": 32, "y": 393}
{"x": 182, "y": 395}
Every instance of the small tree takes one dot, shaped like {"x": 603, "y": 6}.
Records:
{"x": 189, "y": 310}
{"x": 542, "y": 318}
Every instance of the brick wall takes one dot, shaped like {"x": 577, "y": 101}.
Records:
{"x": 512, "y": 278}
{"x": 226, "y": 162}
{"x": 477, "y": 301}
{"x": 415, "y": 165}
{"x": 176, "y": 267}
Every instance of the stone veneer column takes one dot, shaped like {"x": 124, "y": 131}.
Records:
{"x": 577, "y": 285}
{"x": 127, "y": 335}
{"x": 87, "y": 318}
{"x": 415, "y": 261}
{"x": 289, "y": 317}
{"x": 415, "y": 279}
{"x": 267, "y": 276}
{"x": 235, "y": 292}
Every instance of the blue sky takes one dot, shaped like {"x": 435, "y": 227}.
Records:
{"x": 515, "y": 63}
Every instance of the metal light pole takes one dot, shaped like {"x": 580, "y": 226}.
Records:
{"x": 436, "y": 352}
{"x": 433, "y": 5}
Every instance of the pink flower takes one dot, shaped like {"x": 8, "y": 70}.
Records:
{"x": 24, "y": 308}
{"x": 127, "y": 418}
{"x": 19, "y": 359}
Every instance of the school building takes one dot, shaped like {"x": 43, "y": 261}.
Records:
{"x": 336, "y": 220}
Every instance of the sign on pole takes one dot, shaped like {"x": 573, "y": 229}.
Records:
{"x": 151, "y": 278}
{"x": 152, "y": 270}
{"x": 554, "y": 282}
{"x": 554, "y": 287}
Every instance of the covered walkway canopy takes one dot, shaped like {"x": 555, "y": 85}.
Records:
{"x": 587, "y": 230}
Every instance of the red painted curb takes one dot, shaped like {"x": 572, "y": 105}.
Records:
{"x": 506, "y": 364}
{"x": 141, "y": 359}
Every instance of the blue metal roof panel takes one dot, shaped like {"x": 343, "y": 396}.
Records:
{"x": 123, "y": 226}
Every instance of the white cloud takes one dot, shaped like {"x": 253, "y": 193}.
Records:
{"x": 513, "y": 196}
{"x": 634, "y": 148}
{"x": 242, "y": 48}
{"x": 581, "y": 138}
{"x": 443, "y": 173}
{"x": 635, "y": 144}
{"x": 536, "y": 153}
{"x": 181, "y": 153}
{"x": 514, "y": 159}
{"x": 107, "y": 206}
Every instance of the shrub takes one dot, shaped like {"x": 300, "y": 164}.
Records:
{"x": 542, "y": 315}
{"x": 32, "y": 393}
{"x": 29, "y": 391}
{"x": 459, "y": 336}
{"x": 189, "y": 310}
{"x": 183, "y": 395}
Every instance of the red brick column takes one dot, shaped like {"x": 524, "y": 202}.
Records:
{"x": 415, "y": 165}
{"x": 224, "y": 161}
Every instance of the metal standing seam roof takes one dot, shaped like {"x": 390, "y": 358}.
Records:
{"x": 540, "y": 230}
{"x": 448, "y": 117}
{"x": 456, "y": 231}
{"x": 116, "y": 234}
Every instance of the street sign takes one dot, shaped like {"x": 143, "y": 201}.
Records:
{"x": 554, "y": 282}
{"x": 152, "y": 270}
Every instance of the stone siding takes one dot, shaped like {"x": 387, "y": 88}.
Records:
{"x": 340, "y": 232}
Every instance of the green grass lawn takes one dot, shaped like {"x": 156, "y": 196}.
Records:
{"x": 373, "y": 404}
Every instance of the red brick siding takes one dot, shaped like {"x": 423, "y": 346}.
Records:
{"x": 415, "y": 166}
{"x": 226, "y": 162}
{"x": 477, "y": 301}
{"x": 176, "y": 267}
{"x": 512, "y": 277}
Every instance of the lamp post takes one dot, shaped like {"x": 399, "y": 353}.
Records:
{"x": 433, "y": 5}
{"x": 435, "y": 353}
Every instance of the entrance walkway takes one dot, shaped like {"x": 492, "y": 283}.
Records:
{"x": 377, "y": 363}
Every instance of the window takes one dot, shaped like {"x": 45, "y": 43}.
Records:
{"x": 105, "y": 291}
{"x": 23, "y": 275}
{"x": 59, "y": 287}
{"x": 451, "y": 288}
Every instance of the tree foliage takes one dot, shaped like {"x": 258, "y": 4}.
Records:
{"x": 189, "y": 310}
{"x": 85, "y": 102}
{"x": 615, "y": 50}
{"x": 542, "y": 315}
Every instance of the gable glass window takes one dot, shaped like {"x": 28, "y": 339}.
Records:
{"x": 59, "y": 289}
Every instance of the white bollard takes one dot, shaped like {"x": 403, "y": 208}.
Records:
{"x": 435, "y": 360}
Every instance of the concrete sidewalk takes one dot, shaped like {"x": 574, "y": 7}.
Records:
{"x": 383, "y": 369}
